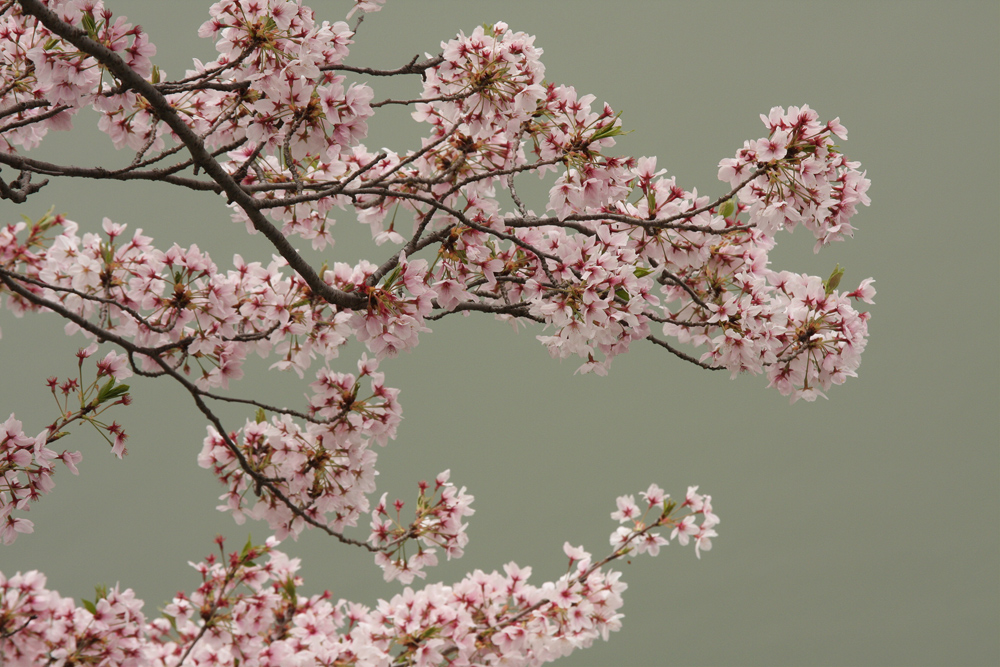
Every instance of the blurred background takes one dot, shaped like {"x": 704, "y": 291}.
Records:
{"x": 862, "y": 530}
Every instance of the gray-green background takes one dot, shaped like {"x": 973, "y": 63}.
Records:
{"x": 862, "y": 530}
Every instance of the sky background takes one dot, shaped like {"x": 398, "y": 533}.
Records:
{"x": 862, "y": 530}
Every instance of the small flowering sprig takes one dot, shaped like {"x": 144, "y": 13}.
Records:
{"x": 365, "y": 7}
{"x": 437, "y": 522}
{"x": 27, "y": 464}
{"x": 231, "y": 600}
{"x": 508, "y": 619}
{"x": 104, "y": 392}
{"x": 488, "y": 83}
{"x": 248, "y": 610}
{"x": 393, "y": 321}
{"x": 639, "y": 537}
{"x": 824, "y": 338}
{"x": 39, "y": 64}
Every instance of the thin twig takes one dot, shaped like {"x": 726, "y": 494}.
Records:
{"x": 677, "y": 353}
{"x": 413, "y": 67}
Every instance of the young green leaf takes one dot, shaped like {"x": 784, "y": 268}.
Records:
{"x": 247, "y": 547}
{"x": 102, "y": 395}
{"x": 89, "y": 24}
{"x": 111, "y": 391}
{"x": 613, "y": 129}
{"x": 727, "y": 208}
{"x": 834, "y": 280}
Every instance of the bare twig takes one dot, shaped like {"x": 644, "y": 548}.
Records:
{"x": 413, "y": 67}
{"x": 20, "y": 189}
{"x": 165, "y": 174}
{"x": 677, "y": 353}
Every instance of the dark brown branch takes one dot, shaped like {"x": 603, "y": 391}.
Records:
{"x": 458, "y": 215}
{"x": 180, "y": 166}
{"x": 34, "y": 119}
{"x": 19, "y": 189}
{"x": 410, "y": 248}
{"x": 666, "y": 276}
{"x": 321, "y": 190}
{"x": 24, "y": 106}
{"x": 89, "y": 297}
{"x": 442, "y": 98}
{"x": 49, "y": 169}
{"x": 7, "y": 634}
{"x": 519, "y": 310}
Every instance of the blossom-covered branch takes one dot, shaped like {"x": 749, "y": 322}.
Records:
{"x": 617, "y": 253}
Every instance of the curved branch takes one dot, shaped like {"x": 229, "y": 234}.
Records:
{"x": 24, "y": 106}
{"x": 21, "y": 188}
{"x": 442, "y": 98}
{"x": 667, "y": 276}
{"x": 34, "y": 119}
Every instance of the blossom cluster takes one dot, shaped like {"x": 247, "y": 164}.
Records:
{"x": 26, "y": 467}
{"x": 38, "y": 626}
{"x": 292, "y": 106}
{"x": 599, "y": 275}
{"x": 683, "y": 530}
{"x": 805, "y": 177}
{"x": 36, "y": 64}
{"x": 700, "y": 271}
{"x": 248, "y": 611}
{"x": 180, "y": 304}
{"x": 325, "y": 469}
{"x": 490, "y": 82}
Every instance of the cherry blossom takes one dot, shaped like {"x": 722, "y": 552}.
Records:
{"x": 620, "y": 254}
